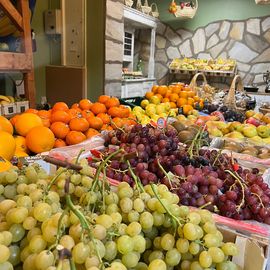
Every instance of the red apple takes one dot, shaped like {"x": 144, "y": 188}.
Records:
{"x": 253, "y": 121}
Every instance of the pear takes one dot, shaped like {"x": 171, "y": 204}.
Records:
{"x": 233, "y": 126}
{"x": 258, "y": 116}
{"x": 257, "y": 139}
{"x": 235, "y": 135}
{"x": 266, "y": 140}
{"x": 215, "y": 132}
{"x": 249, "y": 131}
{"x": 263, "y": 131}
{"x": 250, "y": 113}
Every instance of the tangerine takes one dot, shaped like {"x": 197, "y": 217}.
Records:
{"x": 103, "y": 98}
{"x": 190, "y": 101}
{"x": 91, "y": 133}
{"x": 44, "y": 114}
{"x": 85, "y": 104}
{"x": 174, "y": 97}
{"x": 20, "y": 142}
{"x": 98, "y": 107}
{"x": 112, "y": 102}
{"x": 13, "y": 119}
{"x": 26, "y": 122}
{"x": 183, "y": 94}
{"x": 79, "y": 124}
{"x": 75, "y": 137}
{"x": 60, "y": 129}
{"x": 162, "y": 90}
{"x": 148, "y": 95}
{"x": 73, "y": 113}
{"x": 186, "y": 109}
{"x": 59, "y": 143}
{"x": 117, "y": 122}
{"x": 173, "y": 105}
{"x": 60, "y": 106}
{"x": 40, "y": 139}
{"x": 155, "y": 89}
{"x": 87, "y": 113}
{"x": 95, "y": 122}
{"x": 60, "y": 116}
{"x": 31, "y": 111}
{"x": 181, "y": 102}
{"x": 104, "y": 117}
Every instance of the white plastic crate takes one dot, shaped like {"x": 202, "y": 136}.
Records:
{"x": 8, "y": 109}
{"x": 22, "y": 106}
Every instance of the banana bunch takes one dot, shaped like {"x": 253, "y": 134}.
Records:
{"x": 4, "y": 100}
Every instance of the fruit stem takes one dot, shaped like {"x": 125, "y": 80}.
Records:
{"x": 52, "y": 182}
{"x": 166, "y": 174}
{"x": 205, "y": 205}
{"x": 80, "y": 153}
{"x": 72, "y": 264}
{"x": 136, "y": 178}
{"x": 255, "y": 194}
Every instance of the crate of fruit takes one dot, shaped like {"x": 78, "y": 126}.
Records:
{"x": 131, "y": 101}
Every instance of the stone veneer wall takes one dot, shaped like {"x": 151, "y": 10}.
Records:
{"x": 114, "y": 46}
{"x": 247, "y": 41}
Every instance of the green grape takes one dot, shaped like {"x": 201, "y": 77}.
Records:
{"x": 118, "y": 265}
{"x": 2, "y": 189}
{"x": 44, "y": 260}
{"x": 182, "y": 245}
{"x": 190, "y": 231}
{"x": 126, "y": 205}
{"x": 49, "y": 233}
{"x": 230, "y": 249}
{"x": 122, "y": 228}
{"x": 139, "y": 243}
{"x": 151, "y": 204}
{"x": 123, "y": 185}
{"x": 175, "y": 210}
{"x": 111, "y": 251}
{"x": 156, "y": 254}
{"x": 159, "y": 206}
{"x": 200, "y": 232}
{"x": 14, "y": 257}
{"x": 209, "y": 227}
{"x": 226, "y": 266}
{"x": 151, "y": 233}
{"x": 157, "y": 265}
{"x": 130, "y": 259}
{"x": 92, "y": 261}
{"x": 42, "y": 211}
{"x": 156, "y": 242}
{"x": 112, "y": 208}
{"x": 159, "y": 218}
{"x": 125, "y": 192}
{"x": 22, "y": 179}
{"x": 11, "y": 177}
{"x": 138, "y": 205}
{"x": 194, "y": 248}
{"x": 185, "y": 265}
{"x": 219, "y": 235}
{"x": 162, "y": 189}
{"x": 17, "y": 232}
{"x": 116, "y": 217}
{"x": 187, "y": 256}
{"x": 25, "y": 252}
{"x": 134, "y": 228}
{"x": 99, "y": 232}
{"x": 125, "y": 244}
{"x": 75, "y": 178}
{"x": 80, "y": 252}
{"x": 87, "y": 181}
{"x": 133, "y": 216}
{"x": 167, "y": 222}
{"x": 4, "y": 253}
{"x": 52, "y": 197}
{"x": 6, "y": 266}
{"x": 211, "y": 240}
{"x": 17, "y": 215}
{"x": 7, "y": 238}
{"x": 97, "y": 246}
{"x": 37, "y": 244}
{"x": 148, "y": 244}
{"x": 33, "y": 232}
{"x": 172, "y": 257}
{"x": 104, "y": 220}
{"x": 141, "y": 266}
{"x": 24, "y": 201}
{"x": 146, "y": 255}
{"x": 31, "y": 174}
{"x": 91, "y": 197}
{"x": 67, "y": 242}
{"x": 10, "y": 191}
{"x": 195, "y": 266}
{"x": 146, "y": 220}
{"x": 184, "y": 211}
{"x": 21, "y": 188}
{"x": 167, "y": 241}
{"x": 205, "y": 215}
{"x": 175, "y": 199}
{"x": 216, "y": 254}
{"x": 205, "y": 259}
{"x": 145, "y": 197}
{"x": 6, "y": 205}
{"x": 194, "y": 218}
{"x": 180, "y": 231}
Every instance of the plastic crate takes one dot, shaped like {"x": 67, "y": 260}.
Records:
{"x": 22, "y": 106}
{"x": 131, "y": 101}
{"x": 8, "y": 109}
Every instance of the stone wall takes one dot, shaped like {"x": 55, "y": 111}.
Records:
{"x": 114, "y": 46}
{"x": 247, "y": 41}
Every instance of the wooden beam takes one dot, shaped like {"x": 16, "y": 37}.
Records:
{"x": 12, "y": 13}
{"x": 29, "y": 77}
{"x": 15, "y": 62}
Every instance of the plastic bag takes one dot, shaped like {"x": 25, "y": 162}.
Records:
{"x": 70, "y": 152}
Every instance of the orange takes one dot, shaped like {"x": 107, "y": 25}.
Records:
{"x": 190, "y": 94}
{"x": 187, "y": 108}
{"x": 7, "y": 145}
{"x": 174, "y": 97}
{"x": 59, "y": 143}
{"x": 87, "y": 113}
{"x": 176, "y": 89}
{"x": 165, "y": 100}
{"x": 148, "y": 95}
{"x": 106, "y": 127}
{"x": 44, "y": 114}
{"x": 190, "y": 101}
{"x": 112, "y": 102}
{"x": 26, "y": 122}
{"x": 160, "y": 97}
{"x": 60, "y": 116}
{"x": 78, "y": 124}
{"x": 181, "y": 102}
{"x": 46, "y": 122}
{"x": 103, "y": 98}
{"x": 5, "y": 125}
{"x": 19, "y": 154}
{"x": 162, "y": 90}
{"x": 117, "y": 122}
{"x": 40, "y": 139}
{"x": 196, "y": 98}
{"x": 60, "y": 106}
{"x": 183, "y": 94}
{"x": 91, "y": 133}
{"x": 104, "y": 117}
{"x": 75, "y": 106}
{"x": 173, "y": 105}
{"x": 98, "y": 107}
{"x": 31, "y": 111}
{"x": 73, "y": 113}
{"x": 4, "y": 166}
{"x": 95, "y": 122}
{"x": 155, "y": 89}
{"x": 20, "y": 144}
{"x": 60, "y": 129}
{"x": 85, "y": 104}
{"x": 14, "y": 119}
{"x": 74, "y": 137}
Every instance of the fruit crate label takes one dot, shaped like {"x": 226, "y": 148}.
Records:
{"x": 161, "y": 122}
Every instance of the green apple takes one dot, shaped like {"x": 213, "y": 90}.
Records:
{"x": 249, "y": 131}
{"x": 263, "y": 131}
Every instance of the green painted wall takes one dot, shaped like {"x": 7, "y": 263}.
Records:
{"x": 213, "y": 10}
{"x": 95, "y": 48}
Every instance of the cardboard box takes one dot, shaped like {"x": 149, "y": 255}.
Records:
{"x": 9, "y": 109}
{"x": 22, "y": 106}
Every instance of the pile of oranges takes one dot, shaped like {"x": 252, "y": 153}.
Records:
{"x": 179, "y": 96}
{"x": 41, "y": 130}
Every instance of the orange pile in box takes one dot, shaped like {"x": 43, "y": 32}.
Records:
{"x": 40, "y": 130}
{"x": 179, "y": 96}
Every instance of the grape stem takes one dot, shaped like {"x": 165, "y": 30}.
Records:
{"x": 52, "y": 182}
{"x": 255, "y": 194}
{"x": 194, "y": 143}
{"x": 169, "y": 177}
{"x": 136, "y": 179}
{"x": 174, "y": 218}
{"x": 205, "y": 205}
{"x": 80, "y": 153}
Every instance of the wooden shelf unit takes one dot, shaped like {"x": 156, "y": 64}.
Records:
{"x": 20, "y": 62}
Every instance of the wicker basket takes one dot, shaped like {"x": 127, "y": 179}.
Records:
{"x": 264, "y": 110}
{"x": 262, "y": 2}
{"x": 229, "y": 100}
{"x": 154, "y": 10}
{"x": 129, "y": 3}
{"x": 186, "y": 12}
